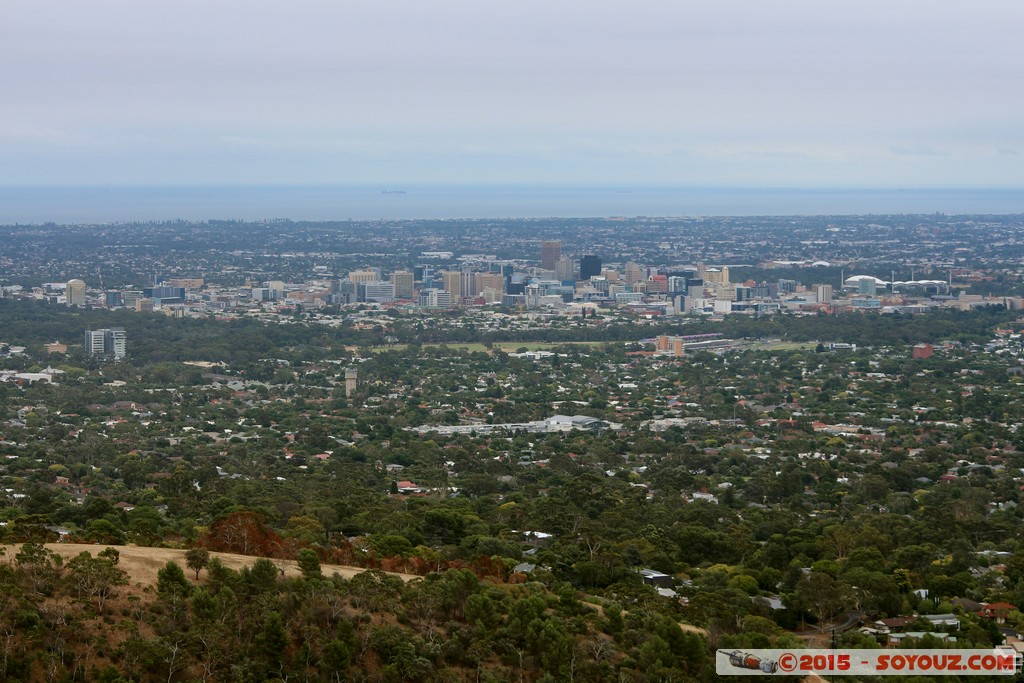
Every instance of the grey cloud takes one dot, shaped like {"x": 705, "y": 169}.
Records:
{"x": 799, "y": 80}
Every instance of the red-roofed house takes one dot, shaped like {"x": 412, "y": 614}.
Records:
{"x": 996, "y": 610}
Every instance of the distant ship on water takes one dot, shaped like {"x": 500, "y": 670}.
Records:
{"x": 393, "y": 192}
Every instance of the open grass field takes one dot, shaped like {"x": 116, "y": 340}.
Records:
{"x": 142, "y": 564}
{"x": 783, "y": 346}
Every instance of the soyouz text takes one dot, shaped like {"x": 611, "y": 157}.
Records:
{"x": 923, "y": 662}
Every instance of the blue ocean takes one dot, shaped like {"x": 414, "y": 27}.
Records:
{"x": 86, "y": 205}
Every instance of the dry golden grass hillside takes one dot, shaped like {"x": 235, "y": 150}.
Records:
{"x": 142, "y": 563}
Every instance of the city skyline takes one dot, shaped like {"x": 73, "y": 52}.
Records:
{"x": 736, "y": 94}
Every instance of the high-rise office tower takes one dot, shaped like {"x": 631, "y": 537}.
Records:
{"x": 116, "y": 341}
{"x": 367, "y": 275}
{"x": 694, "y": 288}
{"x": 433, "y": 297}
{"x": 565, "y": 269}
{"x": 590, "y": 266}
{"x": 867, "y": 286}
{"x": 824, "y": 293}
{"x": 74, "y": 293}
{"x": 453, "y": 283}
{"x": 634, "y": 273}
{"x": 404, "y": 282}
{"x": 106, "y": 342}
{"x": 494, "y": 281}
{"x": 470, "y": 283}
{"x": 169, "y": 295}
{"x": 550, "y": 252}
{"x": 95, "y": 342}
{"x": 716, "y": 275}
{"x": 657, "y": 283}
{"x": 379, "y": 292}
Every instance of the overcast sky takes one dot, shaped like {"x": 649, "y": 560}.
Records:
{"x": 886, "y": 93}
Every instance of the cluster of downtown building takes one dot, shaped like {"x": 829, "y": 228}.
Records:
{"x": 562, "y": 281}
{"x": 559, "y": 282}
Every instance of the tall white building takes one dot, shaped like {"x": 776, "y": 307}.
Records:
{"x": 379, "y": 291}
{"x": 435, "y": 298}
{"x": 74, "y": 293}
{"x": 116, "y": 342}
{"x": 106, "y": 342}
{"x": 95, "y": 343}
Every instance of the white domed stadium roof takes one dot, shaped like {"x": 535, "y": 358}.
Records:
{"x": 856, "y": 279}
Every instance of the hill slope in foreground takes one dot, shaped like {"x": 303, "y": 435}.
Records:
{"x": 68, "y": 622}
{"x": 143, "y": 563}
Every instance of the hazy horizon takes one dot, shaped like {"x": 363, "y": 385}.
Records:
{"x": 112, "y": 204}
{"x": 608, "y": 185}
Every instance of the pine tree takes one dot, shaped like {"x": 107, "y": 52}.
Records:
{"x": 171, "y": 581}
{"x": 309, "y": 564}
